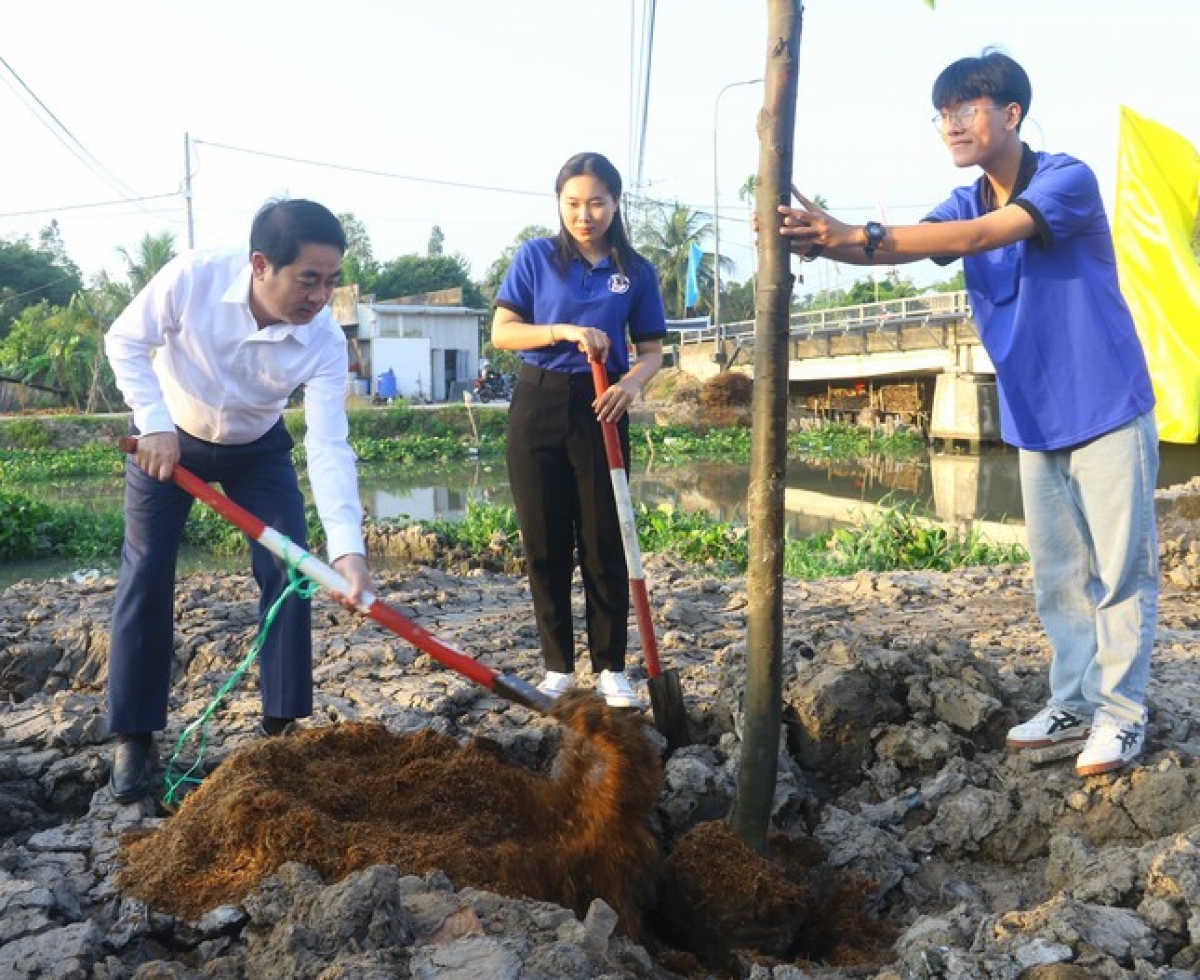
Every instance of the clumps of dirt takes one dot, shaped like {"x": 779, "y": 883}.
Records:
{"x": 345, "y": 797}
{"x": 720, "y": 899}
{"x": 342, "y": 798}
{"x": 725, "y": 399}
{"x": 412, "y": 544}
{"x": 729, "y": 389}
{"x": 673, "y": 386}
{"x": 675, "y": 397}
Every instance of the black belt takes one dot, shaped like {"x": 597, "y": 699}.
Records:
{"x": 534, "y": 375}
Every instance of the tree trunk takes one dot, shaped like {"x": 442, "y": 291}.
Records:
{"x": 762, "y": 709}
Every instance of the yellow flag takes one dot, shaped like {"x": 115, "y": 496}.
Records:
{"x": 1158, "y": 179}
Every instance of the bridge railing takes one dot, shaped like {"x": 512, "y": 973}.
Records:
{"x": 935, "y": 307}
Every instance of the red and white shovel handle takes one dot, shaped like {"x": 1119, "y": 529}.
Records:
{"x": 513, "y": 688}
{"x": 629, "y": 537}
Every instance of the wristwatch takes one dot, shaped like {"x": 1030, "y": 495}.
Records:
{"x": 874, "y": 232}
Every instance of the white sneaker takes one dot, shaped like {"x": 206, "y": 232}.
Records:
{"x": 1048, "y": 727}
{"x": 617, "y": 691}
{"x": 1112, "y": 744}
{"x": 555, "y": 684}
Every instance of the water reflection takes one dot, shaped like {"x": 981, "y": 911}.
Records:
{"x": 443, "y": 496}
{"x": 969, "y": 492}
{"x": 965, "y": 490}
{"x": 979, "y": 492}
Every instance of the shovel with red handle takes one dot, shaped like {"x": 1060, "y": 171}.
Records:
{"x": 506, "y": 685}
{"x": 666, "y": 695}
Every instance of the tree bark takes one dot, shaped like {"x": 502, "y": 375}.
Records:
{"x": 750, "y": 817}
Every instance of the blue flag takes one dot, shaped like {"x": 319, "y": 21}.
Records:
{"x": 692, "y": 289}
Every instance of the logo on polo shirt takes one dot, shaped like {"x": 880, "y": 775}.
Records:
{"x": 618, "y": 283}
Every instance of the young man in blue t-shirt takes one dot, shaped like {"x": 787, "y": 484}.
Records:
{"x": 1075, "y": 394}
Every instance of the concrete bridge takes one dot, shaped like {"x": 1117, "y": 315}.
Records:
{"x": 918, "y": 359}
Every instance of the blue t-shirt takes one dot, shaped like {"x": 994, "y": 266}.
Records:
{"x": 599, "y": 296}
{"x": 1069, "y": 364}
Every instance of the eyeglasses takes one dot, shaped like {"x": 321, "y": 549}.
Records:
{"x": 962, "y": 117}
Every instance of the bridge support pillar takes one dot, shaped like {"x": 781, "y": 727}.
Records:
{"x": 966, "y": 410}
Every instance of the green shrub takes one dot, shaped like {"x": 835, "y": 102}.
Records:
{"x": 694, "y": 538}
{"x": 892, "y": 540}
{"x": 480, "y": 528}
{"x": 22, "y": 526}
{"x": 25, "y": 433}
{"x": 30, "y": 529}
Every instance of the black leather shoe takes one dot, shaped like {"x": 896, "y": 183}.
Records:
{"x": 270, "y": 726}
{"x": 132, "y": 772}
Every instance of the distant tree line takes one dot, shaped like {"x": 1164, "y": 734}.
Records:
{"x": 52, "y": 324}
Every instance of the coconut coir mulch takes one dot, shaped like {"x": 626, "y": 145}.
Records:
{"x": 345, "y": 797}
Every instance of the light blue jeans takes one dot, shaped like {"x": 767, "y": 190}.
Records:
{"x": 1089, "y": 517}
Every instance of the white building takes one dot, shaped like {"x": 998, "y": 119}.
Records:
{"x": 432, "y": 349}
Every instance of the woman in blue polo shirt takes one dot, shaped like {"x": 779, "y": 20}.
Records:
{"x": 583, "y": 293}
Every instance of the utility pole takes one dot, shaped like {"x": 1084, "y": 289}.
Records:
{"x": 187, "y": 188}
{"x": 716, "y": 304}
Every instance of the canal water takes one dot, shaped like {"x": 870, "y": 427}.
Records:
{"x": 968, "y": 491}
{"x": 956, "y": 488}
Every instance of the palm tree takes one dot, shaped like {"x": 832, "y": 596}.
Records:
{"x": 110, "y": 296}
{"x": 93, "y": 310}
{"x": 665, "y": 239}
{"x": 746, "y": 191}
{"x": 153, "y": 252}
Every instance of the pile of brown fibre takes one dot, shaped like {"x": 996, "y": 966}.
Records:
{"x": 345, "y": 797}
{"x": 721, "y": 900}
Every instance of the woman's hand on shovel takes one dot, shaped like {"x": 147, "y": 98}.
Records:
{"x": 614, "y": 403}
{"x": 353, "y": 568}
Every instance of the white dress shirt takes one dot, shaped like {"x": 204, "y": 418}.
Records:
{"x": 188, "y": 352}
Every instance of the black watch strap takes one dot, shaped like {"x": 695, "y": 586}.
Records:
{"x": 874, "y": 233}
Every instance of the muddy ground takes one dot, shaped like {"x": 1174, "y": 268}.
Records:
{"x": 422, "y": 826}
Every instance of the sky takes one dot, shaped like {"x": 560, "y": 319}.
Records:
{"x": 460, "y": 113}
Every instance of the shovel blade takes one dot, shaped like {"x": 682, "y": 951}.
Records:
{"x": 670, "y": 713}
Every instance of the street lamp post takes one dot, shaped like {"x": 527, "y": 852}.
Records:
{"x": 720, "y": 332}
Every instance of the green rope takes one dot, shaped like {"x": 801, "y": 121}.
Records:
{"x": 298, "y": 584}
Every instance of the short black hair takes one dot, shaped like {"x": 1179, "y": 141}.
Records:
{"x": 283, "y": 226}
{"x": 992, "y": 75}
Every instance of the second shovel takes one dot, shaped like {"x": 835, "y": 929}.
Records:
{"x": 666, "y": 695}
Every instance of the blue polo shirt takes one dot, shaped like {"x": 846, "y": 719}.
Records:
{"x": 1069, "y": 365}
{"x": 599, "y": 296}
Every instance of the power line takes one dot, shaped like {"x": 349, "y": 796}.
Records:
{"x": 6, "y": 299}
{"x": 641, "y": 110}
{"x": 632, "y": 195}
{"x": 489, "y": 188}
{"x": 81, "y": 207}
{"x": 75, "y": 147}
{"x": 371, "y": 173}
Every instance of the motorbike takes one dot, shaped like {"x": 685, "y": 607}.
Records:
{"x": 493, "y": 387}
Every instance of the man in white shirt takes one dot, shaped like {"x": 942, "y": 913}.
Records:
{"x": 207, "y": 356}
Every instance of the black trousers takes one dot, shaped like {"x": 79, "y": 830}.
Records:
{"x": 563, "y": 494}
{"x": 262, "y": 478}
